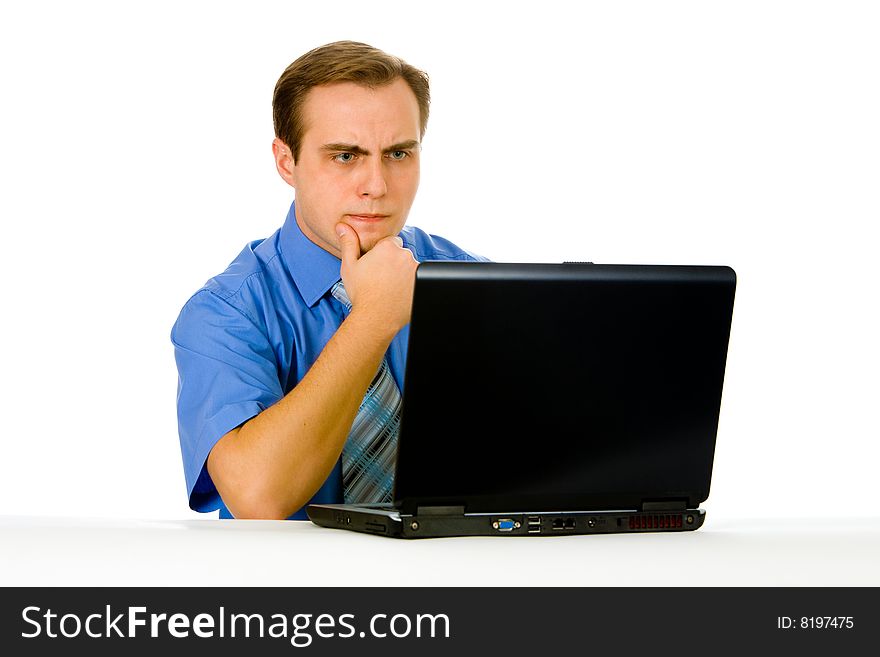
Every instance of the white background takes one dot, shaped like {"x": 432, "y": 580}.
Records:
{"x": 135, "y": 163}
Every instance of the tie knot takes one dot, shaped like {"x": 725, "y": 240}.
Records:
{"x": 339, "y": 293}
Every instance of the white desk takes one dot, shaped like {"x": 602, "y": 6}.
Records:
{"x": 726, "y": 552}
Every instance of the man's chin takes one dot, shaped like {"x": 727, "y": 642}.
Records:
{"x": 369, "y": 238}
{"x": 369, "y": 242}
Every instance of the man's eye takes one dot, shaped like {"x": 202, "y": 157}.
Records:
{"x": 345, "y": 158}
{"x": 398, "y": 155}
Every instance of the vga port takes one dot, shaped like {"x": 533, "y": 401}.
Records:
{"x": 506, "y": 524}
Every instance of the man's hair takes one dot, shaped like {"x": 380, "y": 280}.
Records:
{"x": 342, "y": 61}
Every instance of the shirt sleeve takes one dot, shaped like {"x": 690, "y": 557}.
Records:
{"x": 227, "y": 374}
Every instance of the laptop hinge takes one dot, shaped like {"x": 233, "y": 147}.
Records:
{"x": 664, "y": 505}
{"x": 440, "y": 511}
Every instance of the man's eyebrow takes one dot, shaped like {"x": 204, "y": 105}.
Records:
{"x": 402, "y": 146}
{"x": 347, "y": 148}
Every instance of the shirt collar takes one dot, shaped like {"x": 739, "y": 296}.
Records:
{"x": 314, "y": 270}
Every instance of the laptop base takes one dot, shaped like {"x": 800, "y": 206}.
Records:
{"x": 389, "y": 522}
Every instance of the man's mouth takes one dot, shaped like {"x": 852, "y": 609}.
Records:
{"x": 368, "y": 216}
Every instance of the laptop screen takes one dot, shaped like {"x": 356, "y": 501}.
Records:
{"x": 562, "y": 386}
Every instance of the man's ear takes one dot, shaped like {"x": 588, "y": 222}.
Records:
{"x": 284, "y": 161}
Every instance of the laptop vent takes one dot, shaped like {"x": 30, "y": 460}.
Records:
{"x": 655, "y": 521}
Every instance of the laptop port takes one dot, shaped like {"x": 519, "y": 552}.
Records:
{"x": 534, "y": 524}
{"x": 563, "y": 524}
{"x": 506, "y": 524}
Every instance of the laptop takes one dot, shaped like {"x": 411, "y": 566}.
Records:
{"x": 555, "y": 399}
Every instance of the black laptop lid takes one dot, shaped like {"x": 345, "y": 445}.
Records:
{"x": 562, "y": 386}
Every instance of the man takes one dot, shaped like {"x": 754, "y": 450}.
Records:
{"x": 289, "y": 381}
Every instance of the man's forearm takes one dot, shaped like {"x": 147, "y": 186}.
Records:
{"x": 273, "y": 464}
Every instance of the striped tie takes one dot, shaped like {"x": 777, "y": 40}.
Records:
{"x": 370, "y": 452}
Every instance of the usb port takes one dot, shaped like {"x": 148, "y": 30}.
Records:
{"x": 534, "y": 524}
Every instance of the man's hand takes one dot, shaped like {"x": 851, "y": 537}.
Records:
{"x": 380, "y": 282}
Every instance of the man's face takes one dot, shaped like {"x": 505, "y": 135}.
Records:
{"x": 358, "y": 162}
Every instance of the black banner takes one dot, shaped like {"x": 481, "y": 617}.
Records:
{"x": 435, "y": 621}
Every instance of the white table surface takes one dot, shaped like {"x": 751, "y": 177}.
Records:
{"x": 39, "y": 551}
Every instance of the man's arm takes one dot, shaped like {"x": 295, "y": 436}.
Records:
{"x": 272, "y": 464}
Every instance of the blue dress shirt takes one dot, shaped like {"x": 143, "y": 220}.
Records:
{"x": 246, "y": 338}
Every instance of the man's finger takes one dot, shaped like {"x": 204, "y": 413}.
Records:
{"x": 392, "y": 238}
{"x": 349, "y": 244}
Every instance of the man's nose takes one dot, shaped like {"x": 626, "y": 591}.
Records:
{"x": 372, "y": 182}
